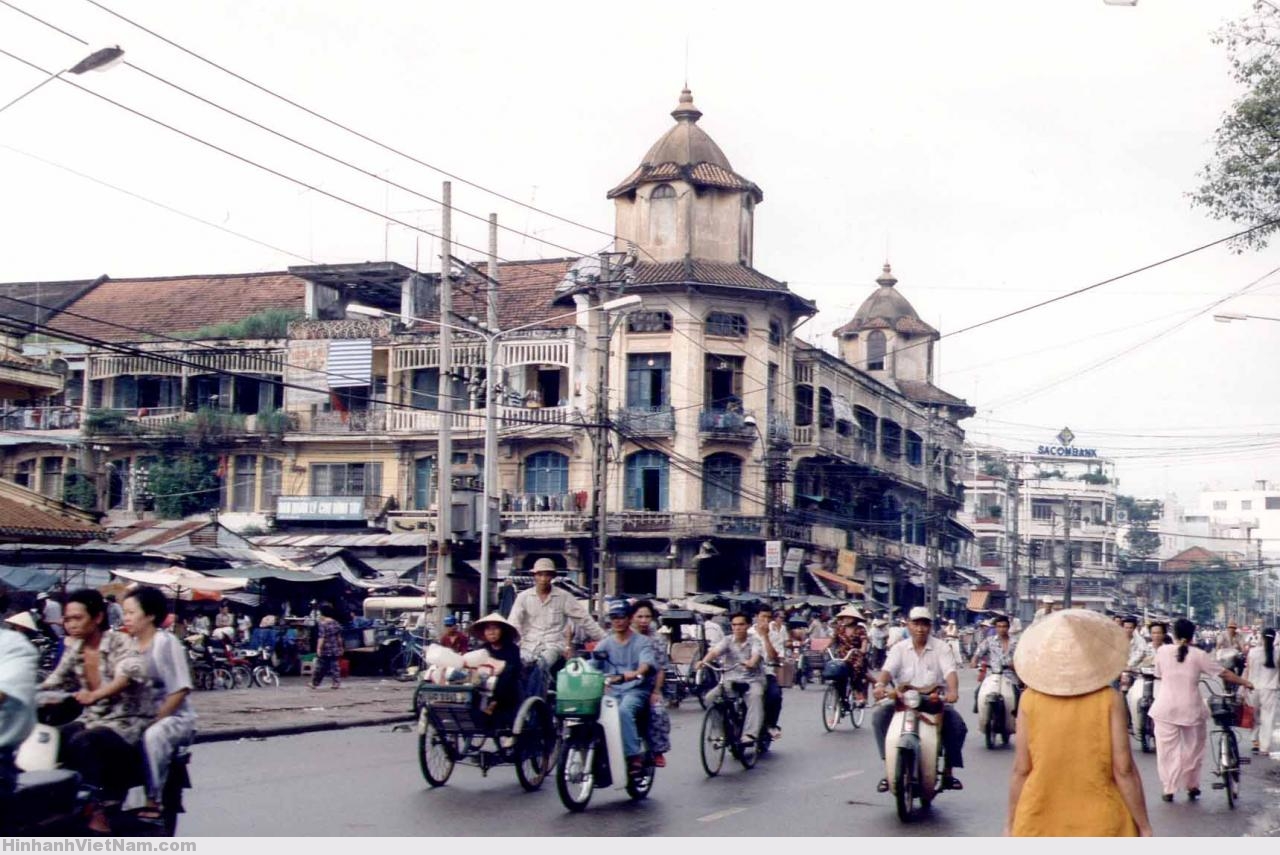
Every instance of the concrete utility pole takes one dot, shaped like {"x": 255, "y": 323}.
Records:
{"x": 934, "y": 598}
{"x": 1011, "y": 490}
{"x": 444, "y": 446}
{"x": 1066, "y": 554}
{"x": 489, "y": 472}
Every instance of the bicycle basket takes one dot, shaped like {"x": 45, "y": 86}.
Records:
{"x": 1223, "y": 711}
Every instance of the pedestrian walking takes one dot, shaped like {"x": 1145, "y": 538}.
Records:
{"x": 1180, "y": 713}
{"x": 1073, "y": 773}
{"x": 328, "y": 646}
{"x": 1262, "y": 672}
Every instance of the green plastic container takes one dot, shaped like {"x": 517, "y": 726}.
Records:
{"x": 579, "y": 689}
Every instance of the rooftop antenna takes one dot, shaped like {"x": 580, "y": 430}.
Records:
{"x": 686, "y": 61}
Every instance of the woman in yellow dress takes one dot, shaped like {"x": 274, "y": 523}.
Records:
{"x": 1073, "y": 775}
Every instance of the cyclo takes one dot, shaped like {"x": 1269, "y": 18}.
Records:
{"x": 465, "y": 713}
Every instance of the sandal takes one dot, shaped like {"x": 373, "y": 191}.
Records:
{"x": 150, "y": 813}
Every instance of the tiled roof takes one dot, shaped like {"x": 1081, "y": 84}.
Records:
{"x": 171, "y": 304}
{"x": 906, "y": 325}
{"x": 927, "y": 393}
{"x": 525, "y": 295}
{"x": 705, "y": 273}
{"x": 698, "y": 174}
{"x": 22, "y": 520}
{"x": 51, "y": 296}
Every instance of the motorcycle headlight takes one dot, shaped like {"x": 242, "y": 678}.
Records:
{"x": 911, "y": 699}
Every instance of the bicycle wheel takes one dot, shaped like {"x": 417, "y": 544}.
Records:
{"x": 857, "y": 712}
{"x": 830, "y": 708}
{"x": 714, "y": 741}
{"x": 265, "y": 675}
{"x": 704, "y": 680}
{"x": 1231, "y": 768}
{"x": 435, "y": 755}
{"x": 536, "y": 744}
{"x": 222, "y": 679}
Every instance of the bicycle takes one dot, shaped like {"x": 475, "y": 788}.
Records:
{"x": 835, "y": 707}
{"x": 1222, "y": 738}
{"x": 722, "y": 729}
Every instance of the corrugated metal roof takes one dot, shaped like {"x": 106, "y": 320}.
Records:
{"x": 348, "y": 540}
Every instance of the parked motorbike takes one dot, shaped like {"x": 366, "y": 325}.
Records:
{"x": 997, "y": 706}
{"x": 53, "y": 800}
{"x": 1141, "y": 695}
{"x": 913, "y": 750}
{"x": 591, "y": 754}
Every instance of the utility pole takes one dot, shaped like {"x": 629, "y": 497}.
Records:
{"x": 930, "y": 555}
{"x": 490, "y": 470}
{"x": 1012, "y": 491}
{"x": 444, "y": 444}
{"x": 1066, "y": 553}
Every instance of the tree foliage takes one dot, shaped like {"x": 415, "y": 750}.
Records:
{"x": 1241, "y": 182}
{"x": 184, "y": 485}
{"x": 1141, "y": 542}
{"x": 1214, "y": 590}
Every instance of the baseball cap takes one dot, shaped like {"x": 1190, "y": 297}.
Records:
{"x": 619, "y": 608}
{"x": 450, "y": 621}
{"x": 920, "y": 613}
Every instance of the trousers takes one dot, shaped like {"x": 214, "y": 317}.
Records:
{"x": 954, "y": 731}
{"x": 1268, "y": 701}
{"x": 755, "y": 705}
{"x": 104, "y": 759}
{"x": 1179, "y": 755}
{"x": 772, "y": 701}
{"x": 159, "y": 742}
{"x": 629, "y": 705}
{"x": 326, "y": 665}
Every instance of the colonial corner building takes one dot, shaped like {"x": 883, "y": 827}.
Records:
{"x": 724, "y": 431}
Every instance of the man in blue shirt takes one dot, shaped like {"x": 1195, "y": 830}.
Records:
{"x": 631, "y": 660}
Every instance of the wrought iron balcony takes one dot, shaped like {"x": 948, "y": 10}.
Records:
{"x": 646, "y": 421}
{"x": 727, "y": 424}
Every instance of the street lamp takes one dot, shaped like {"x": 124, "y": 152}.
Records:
{"x": 491, "y": 338}
{"x": 99, "y": 60}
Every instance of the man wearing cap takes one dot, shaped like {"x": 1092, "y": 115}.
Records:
{"x": 630, "y": 659}
{"x": 1229, "y": 650}
{"x": 452, "y": 638}
{"x": 1046, "y": 609}
{"x": 543, "y": 615}
{"x": 922, "y": 662}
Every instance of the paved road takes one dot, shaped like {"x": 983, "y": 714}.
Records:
{"x": 366, "y": 782}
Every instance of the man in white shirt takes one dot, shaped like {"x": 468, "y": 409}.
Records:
{"x": 51, "y": 613}
{"x": 544, "y": 615}
{"x": 1139, "y": 648}
{"x": 922, "y": 663}
{"x": 773, "y": 640}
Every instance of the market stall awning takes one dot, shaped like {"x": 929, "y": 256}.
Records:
{"x": 945, "y": 593}
{"x": 978, "y": 601}
{"x": 27, "y": 579}
{"x": 848, "y": 584}
{"x": 183, "y": 583}
{"x": 256, "y": 573}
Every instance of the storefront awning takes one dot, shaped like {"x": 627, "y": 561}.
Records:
{"x": 945, "y": 593}
{"x": 978, "y": 601}
{"x": 849, "y": 585}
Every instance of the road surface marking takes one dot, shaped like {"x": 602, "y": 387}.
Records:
{"x": 720, "y": 814}
{"x": 844, "y": 775}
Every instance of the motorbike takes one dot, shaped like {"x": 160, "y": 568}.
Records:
{"x": 913, "y": 750}
{"x": 49, "y": 799}
{"x": 1143, "y": 689}
{"x": 591, "y": 754}
{"x": 997, "y": 706}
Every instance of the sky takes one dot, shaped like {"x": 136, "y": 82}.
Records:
{"x": 997, "y": 154}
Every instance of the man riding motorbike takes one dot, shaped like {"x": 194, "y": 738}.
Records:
{"x": 544, "y": 617}
{"x": 995, "y": 653}
{"x": 1229, "y": 649}
{"x": 922, "y": 662}
{"x": 18, "y": 661}
{"x": 630, "y": 659}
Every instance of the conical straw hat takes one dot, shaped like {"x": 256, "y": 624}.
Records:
{"x": 1072, "y": 652}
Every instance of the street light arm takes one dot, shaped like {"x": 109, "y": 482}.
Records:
{"x": 99, "y": 60}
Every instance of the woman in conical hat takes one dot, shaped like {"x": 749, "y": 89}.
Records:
{"x": 1073, "y": 774}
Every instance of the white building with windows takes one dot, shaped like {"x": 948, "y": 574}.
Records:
{"x": 1242, "y": 514}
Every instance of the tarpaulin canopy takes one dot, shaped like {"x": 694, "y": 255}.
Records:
{"x": 26, "y": 578}
{"x": 258, "y": 572}
{"x": 849, "y": 585}
{"x": 183, "y": 583}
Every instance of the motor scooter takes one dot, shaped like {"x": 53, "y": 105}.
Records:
{"x": 997, "y": 706}
{"x": 913, "y": 755}
{"x": 50, "y": 799}
{"x": 1144, "y": 688}
{"x": 591, "y": 753}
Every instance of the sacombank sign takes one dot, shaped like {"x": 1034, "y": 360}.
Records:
{"x": 1066, "y": 451}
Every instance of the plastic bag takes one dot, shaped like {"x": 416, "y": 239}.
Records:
{"x": 438, "y": 654}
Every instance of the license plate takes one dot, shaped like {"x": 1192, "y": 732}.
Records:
{"x": 449, "y": 698}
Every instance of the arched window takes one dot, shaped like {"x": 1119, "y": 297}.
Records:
{"x": 647, "y": 478}
{"x": 727, "y": 325}
{"x": 546, "y": 473}
{"x": 804, "y": 405}
{"x": 890, "y": 439}
{"x": 662, "y": 215}
{"x": 875, "y": 350}
{"x": 826, "y": 409}
{"x": 425, "y": 490}
{"x": 721, "y": 482}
